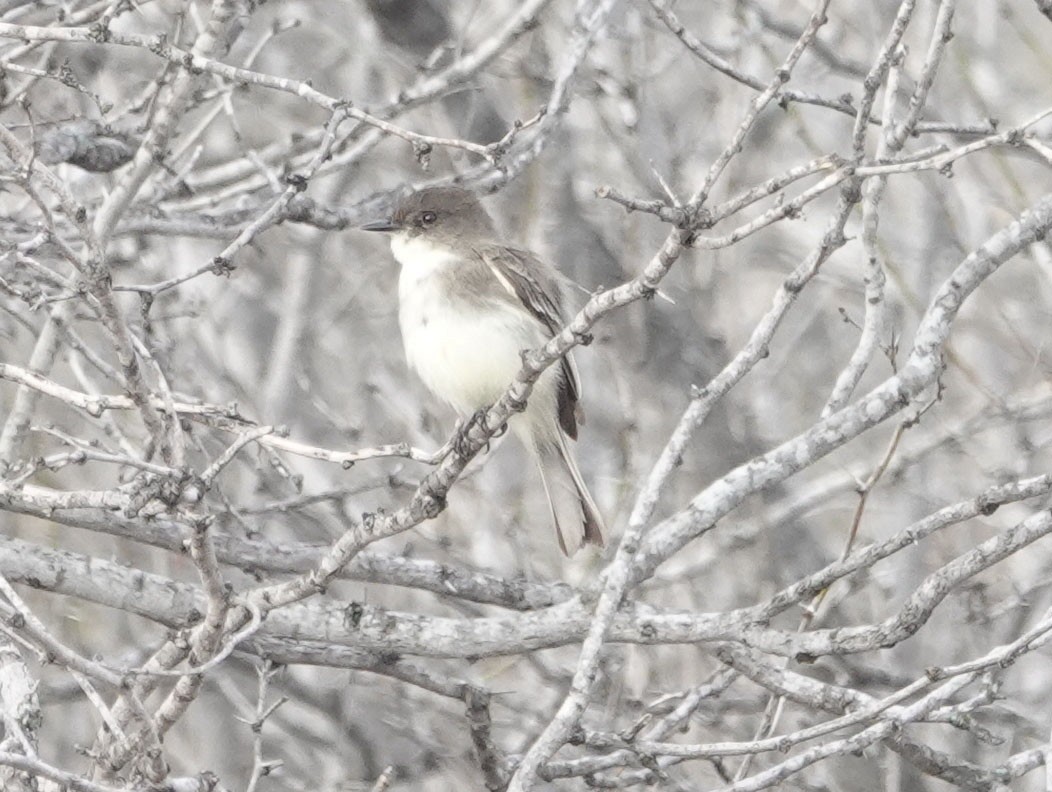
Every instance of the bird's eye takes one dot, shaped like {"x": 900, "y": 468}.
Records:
{"x": 427, "y": 218}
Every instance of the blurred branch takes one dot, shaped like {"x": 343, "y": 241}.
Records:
{"x": 617, "y": 577}
{"x": 171, "y": 102}
{"x": 104, "y": 586}
{"x": 260, "y": 767}
{"x": 369, "y": 627}
{"x": 919, "y": 372}
{"x": 224, "y": 417}
{"x": 101, "y": 512}
{"x": 842, "y": 104}
{"x": 197, "y": 59}
{"x": 19, "y": 713}
{"x": 96, "y": 273}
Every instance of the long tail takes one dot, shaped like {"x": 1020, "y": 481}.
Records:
{"x": 574, "y": 513}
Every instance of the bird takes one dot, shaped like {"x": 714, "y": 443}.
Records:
{"x": 468, "y": 306}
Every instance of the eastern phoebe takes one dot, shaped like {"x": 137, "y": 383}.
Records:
{"x": 468, "y": 305}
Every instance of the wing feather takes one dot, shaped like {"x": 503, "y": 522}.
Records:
{"x": 536, "y": 287}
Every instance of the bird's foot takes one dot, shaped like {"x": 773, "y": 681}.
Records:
{"x": 461, "y": 439}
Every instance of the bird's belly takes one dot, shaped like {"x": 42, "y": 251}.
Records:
{"x": 467, "y": 355}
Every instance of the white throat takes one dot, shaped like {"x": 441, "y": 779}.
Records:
{"x": 420, "y": 256}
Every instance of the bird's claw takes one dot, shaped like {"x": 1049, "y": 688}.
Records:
{"x": 462, "y": 441}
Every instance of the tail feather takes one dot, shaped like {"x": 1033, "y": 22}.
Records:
{"x": 574, "y": 513}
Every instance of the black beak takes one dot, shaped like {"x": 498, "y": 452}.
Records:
{"x": 381, "y": 225}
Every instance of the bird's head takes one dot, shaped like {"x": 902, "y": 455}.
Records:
{"x": 437, "y": 214}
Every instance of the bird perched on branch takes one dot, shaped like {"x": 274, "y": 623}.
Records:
{"x": 468, "y": 306}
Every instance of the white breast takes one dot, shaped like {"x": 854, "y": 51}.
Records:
{"x": 466, "y": 355}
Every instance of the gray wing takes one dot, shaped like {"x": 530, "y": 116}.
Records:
{"x": 536, "y": 287}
